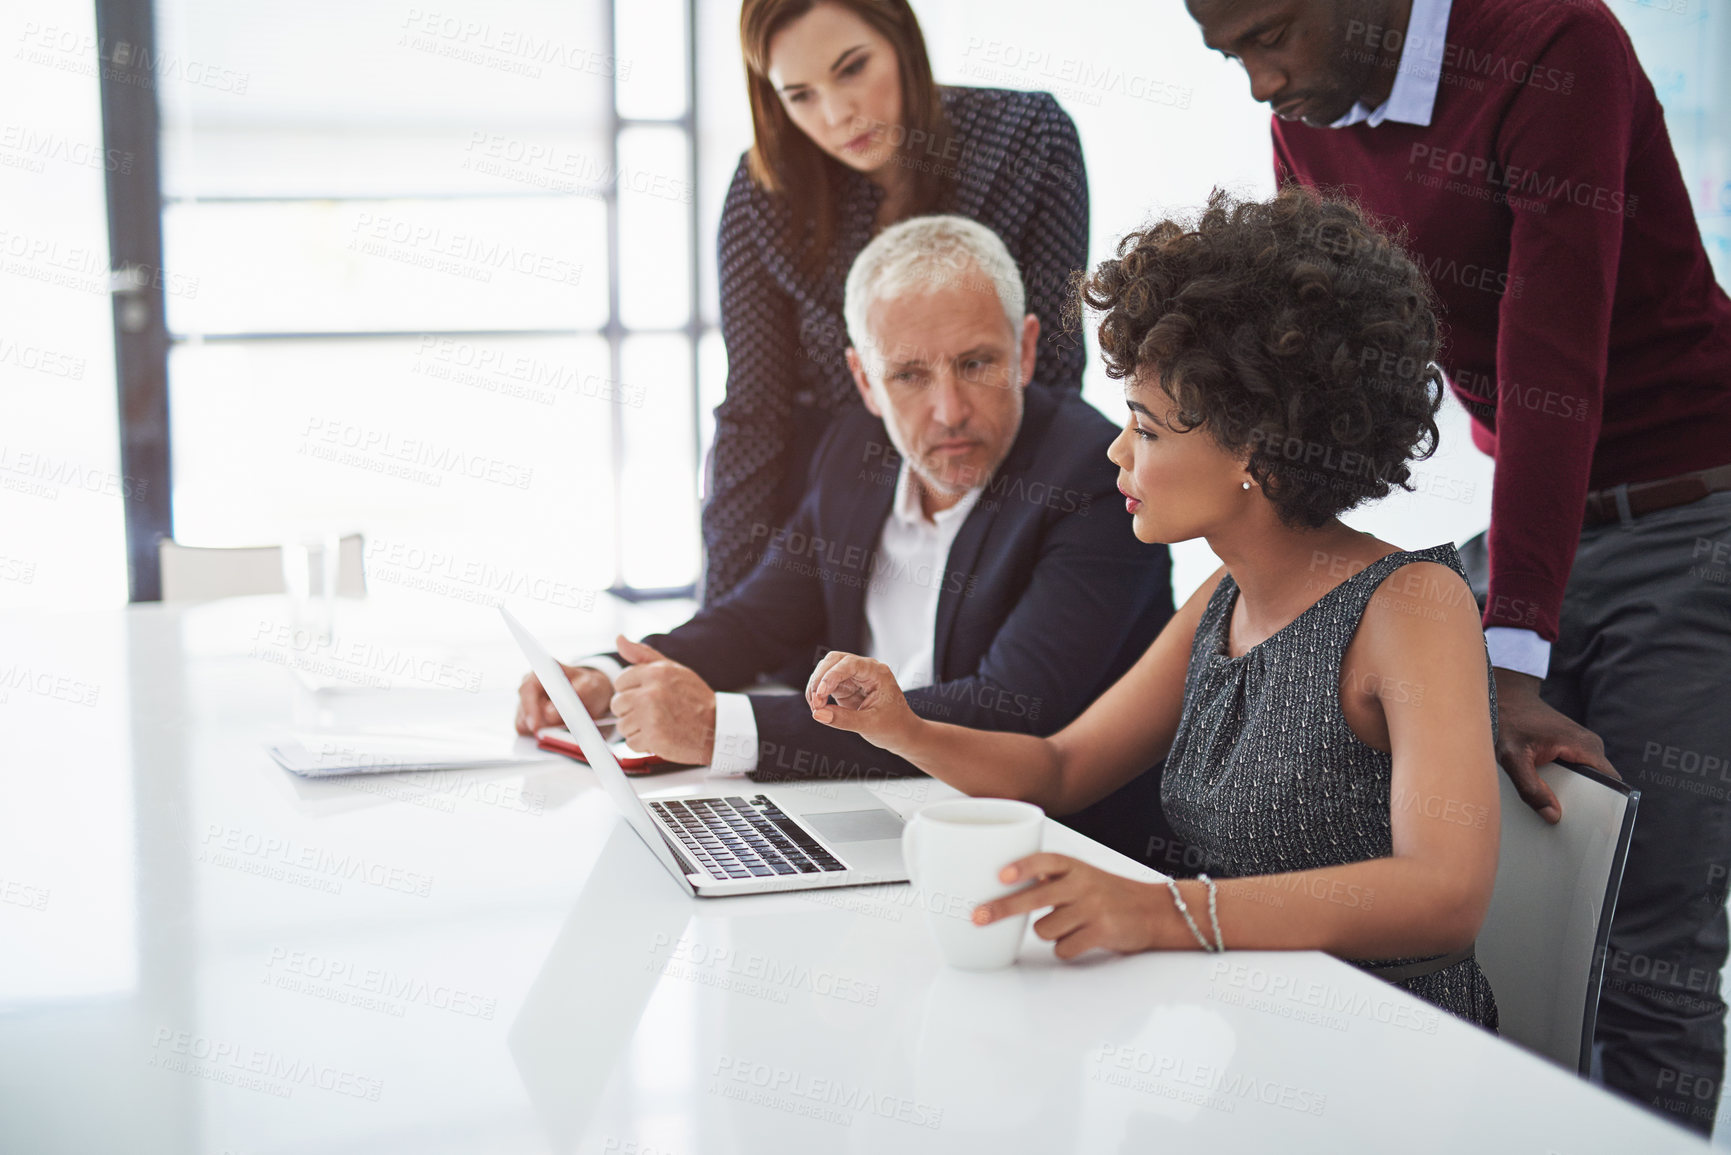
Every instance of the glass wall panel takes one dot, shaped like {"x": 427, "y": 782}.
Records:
{"x": 650, "y": 79}
{"x": 657, "y": 479}
{"x": 654, "y": 229}
{"x": 327, "y": 98}
{"x": 451, "y": 454}
{"x": 295, "y": 266}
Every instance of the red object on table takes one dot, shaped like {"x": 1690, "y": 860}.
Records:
{"x": 639, "y": 764}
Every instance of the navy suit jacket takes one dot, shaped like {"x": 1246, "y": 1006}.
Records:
{"x": 1047, "y": 596}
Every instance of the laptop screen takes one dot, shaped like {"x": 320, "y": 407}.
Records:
{"x": 594, "y": 747}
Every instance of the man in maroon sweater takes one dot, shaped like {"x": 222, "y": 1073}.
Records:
{"x": 1520, "y": 145}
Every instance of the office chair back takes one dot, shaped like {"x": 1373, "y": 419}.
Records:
{"x": 194, "y": 574}
{"x": 1542, "y": 945}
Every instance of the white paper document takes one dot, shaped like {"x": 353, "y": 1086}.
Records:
{"x": 317, "y": 755}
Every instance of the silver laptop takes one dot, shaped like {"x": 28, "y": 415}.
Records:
{"x": 801, "y": 837}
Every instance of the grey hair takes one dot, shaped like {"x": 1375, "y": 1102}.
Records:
{"x": 926, "y": 253}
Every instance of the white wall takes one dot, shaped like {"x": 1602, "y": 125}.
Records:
{"x": 62, "y": 537}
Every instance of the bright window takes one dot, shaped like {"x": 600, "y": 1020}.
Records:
{"x": 412, "y": 306}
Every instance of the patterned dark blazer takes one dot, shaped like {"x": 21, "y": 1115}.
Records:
{"x": 1014, "y": 165}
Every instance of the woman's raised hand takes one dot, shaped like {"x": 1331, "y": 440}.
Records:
{"x": 867, "y": 700}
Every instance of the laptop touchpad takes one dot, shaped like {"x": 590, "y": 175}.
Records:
{"x": 855, "y": 825}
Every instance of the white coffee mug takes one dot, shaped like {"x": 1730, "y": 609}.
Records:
{"x": 954, "y": 851}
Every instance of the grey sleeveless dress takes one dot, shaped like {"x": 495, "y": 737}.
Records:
{"x": 1266, "y": 777}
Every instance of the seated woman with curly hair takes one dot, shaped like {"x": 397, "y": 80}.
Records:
{"x": 1323, "y": 702}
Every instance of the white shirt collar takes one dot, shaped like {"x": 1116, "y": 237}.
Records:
{"x": 1413, "y": 97}
{"x": 907, "y": 509}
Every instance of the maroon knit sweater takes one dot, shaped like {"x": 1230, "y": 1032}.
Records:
{"x": 1583, "y": 329}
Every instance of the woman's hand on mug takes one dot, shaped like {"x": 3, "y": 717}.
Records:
{"x": 867, "y": 699}
{"x": 1090, "y": 907}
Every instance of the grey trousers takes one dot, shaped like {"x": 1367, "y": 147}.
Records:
{"x": 1644, "y": 661}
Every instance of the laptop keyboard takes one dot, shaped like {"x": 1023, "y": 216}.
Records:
{"x": 733, "y": 838}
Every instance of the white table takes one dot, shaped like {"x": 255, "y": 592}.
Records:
{"x": 201, "y": 954}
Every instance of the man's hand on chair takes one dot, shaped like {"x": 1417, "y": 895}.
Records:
{"x": 1531, "y": 734}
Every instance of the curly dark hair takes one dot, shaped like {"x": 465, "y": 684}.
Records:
{"x": 1292, "y": 329}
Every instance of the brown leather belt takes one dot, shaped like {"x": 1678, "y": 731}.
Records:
{"x": 1651, "y": 496}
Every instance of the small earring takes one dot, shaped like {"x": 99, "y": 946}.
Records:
{"x": 1246, "y": 485}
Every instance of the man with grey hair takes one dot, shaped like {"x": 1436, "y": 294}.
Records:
{"x": 959, "y": 528}
{"x": 924, "y": 254}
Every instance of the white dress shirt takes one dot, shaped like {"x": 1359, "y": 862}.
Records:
{"x": 901, "y": 610}
{"x": 1412, "y": 100}
{"x": 1413, "y": 97}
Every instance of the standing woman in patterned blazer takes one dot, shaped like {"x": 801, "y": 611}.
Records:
{"x": 853, "y": 135}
